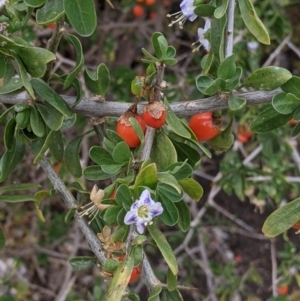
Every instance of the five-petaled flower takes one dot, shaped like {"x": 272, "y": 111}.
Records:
{"x": 202, "y": 36}
{"x": 187, "y": 13}
{"x": 143, "y": 211}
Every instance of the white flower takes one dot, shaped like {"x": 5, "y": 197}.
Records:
{"x": 252, "y": 46}
{"x": 143, "y": 211}
{"x": 91, "y": 209}
{"x": 187, "y": 13}
{"x": 202, "y": 36}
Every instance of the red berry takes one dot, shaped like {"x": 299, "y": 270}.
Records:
{"x": 150, "y": 2}
{"x": 244, "y": 135}
{"x": 293, "y": 122}
{"x": 296, "y": 225}
{"x": 126, "y": 131}
{"x": 203, "y": 126}
{"x": 138, "y": 10}
{"x": 136, "y": 272}
{"x": 154, "y": 114}
{"x": 51, "y": 25}
{"x": 282, "y": 290}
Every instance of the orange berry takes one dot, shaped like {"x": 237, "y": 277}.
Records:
{"x": 282, "y": 290}
{"x": 150, "y": 2}
{"x": 51, "y": 25}
{"x": 138, "y": 11}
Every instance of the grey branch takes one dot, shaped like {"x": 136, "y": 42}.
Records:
{"x": 70, "y": 202}
{"x": 92, "y": 107}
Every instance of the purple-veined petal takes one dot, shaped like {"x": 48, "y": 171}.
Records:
{"x": 145, "y": 198}
{"x": 130, "y": 217}
{"x": 156, "y": 209}
{"x": 140, "y": 227}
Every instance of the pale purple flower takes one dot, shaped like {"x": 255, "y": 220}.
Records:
{"x": 187, "y": 13}
{"x": 143, "y": 211}
{"x": 202, "y": 36}
{"x": 252, "y": 46}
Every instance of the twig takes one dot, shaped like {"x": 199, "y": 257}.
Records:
{"x": 70, "y": 202}
{"x": 276, "y": 52}
{"x": 274, "y": 267}
{"x": 229, "y": 31}
{"x": 92, "y": 107}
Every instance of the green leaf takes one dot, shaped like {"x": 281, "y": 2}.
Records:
{"x": 216, "y": 86}
{"x": 160, "y": 45}
{"x": 174, "y": 295}
{"x": 282, "y": 219}
{"x": 111, "y": 214}
{"x": 217, "y": 34}
{"x": 184, "y": 220}
{"x": 120, "y": 280}
{"x": 110, "y": 265}
{"x": 9, "y": 134}
{"x": 2, "y": 239}
{"x": 204, "y": 10}
{"x": 4, "y": 115}
{"x": 169, "y": 193}
{"x": 175, "y": 123}
{"x": 163, "y": 152}
{"x": 72, "y": 158}
{"x": 235, "y": 80}
{"x": 121, "y": 153}
{"x": 101, "y": 156}
{"x": 268, "y": 78}
{"x": 236, "y": 103}
{"x": 146, "y": 177}
{"x": 192, "y": 188}
{"x": 164, "y": 248}
{"x": 180, "y": 170}
{"x": 170, "y": 214}
{"x": 37, "y": 123}
{"x": 269, "y": 120}
{"x": 171, "y": 281}
{"x": 24, "y": 77}
{"x": 35, "y": 59}
{"x": 56, "y": 146}
{"x": 15, "y": 187}
{"x": 296, "y": 130}
{"x": 52, "y": 117}
{"x": 34, "y": 3}
{"x": 49, "y": 95}
{"x": 80, "y": 263}
{"x": 81, "y": 15}
{"x": 221, "y": 10}
{"x": 50, "y": 12}
{"x": 95, "y": 173}
{"x": 16, "y": 198}
{"x": 227, "y": 68}
{"x": 71, "y": 39}
{"x": 252, "y": 21}
{"x": 69, "y": 215}
{"x": 13, "y": 85}
{"x": 43, "y": 148}
{"x": 123, "y": 197}
{"x": 131, "y": 296}
{"x": 168, "y": 179}
{"x": 23, "y": 118}
{"x": 203, "y": 82}
{"x": 22, "y": 106}
{"x": 155, "y": 293}
{"x": 112, "y": 169}
{"x": 137, "y": 128}
{"x": 149, "y": 55}
{"x": 97, "y": 82}
{"x": 10, "y": 159}
{"x": 171, "y": 52}
{"x": 285, "y": 103}
{"x": 292, "y": 86}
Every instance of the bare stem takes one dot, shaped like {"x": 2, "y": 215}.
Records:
{"x": 70, "y": 202}
{"x": 53, "y": 45}
{"x": 229, "y": 29}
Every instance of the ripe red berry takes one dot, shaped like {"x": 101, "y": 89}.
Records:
{"x": 138, "y": 10}
{"x": 136, "y": 272}
{"x": 204, "y": 127}
{"x": 155, "y": 114}
{"x": 244, "y": 135}
{"x": 150, "y": 2}
{"x": 126, "y": 131}
{"x": 51, "y": 25}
